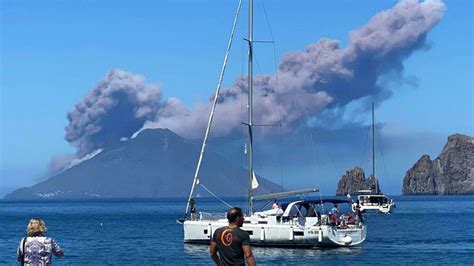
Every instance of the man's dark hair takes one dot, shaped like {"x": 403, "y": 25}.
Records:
{"x": 234, "y": 214}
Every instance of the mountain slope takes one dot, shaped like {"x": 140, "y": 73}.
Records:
{"x": 157, "y": 163}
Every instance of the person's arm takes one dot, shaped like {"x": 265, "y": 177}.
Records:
{"x": 19, "y": 251}
{"x": 249, "y": 255}
{"x": 213, "y": 252}
{"x": 56, "y": 249}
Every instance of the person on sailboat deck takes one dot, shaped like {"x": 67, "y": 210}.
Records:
{"x": 357, "y": 212}
{"x": 334, "y": 215}
{"x": 232, "y": 243}
{"x": 192, "y": 206}
{"x": 275, "y": 205}
{"x": 318, "y": 214}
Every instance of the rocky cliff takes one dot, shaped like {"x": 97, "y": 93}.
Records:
{"x": 353, "y": 181}
{"x": 452, "y": 173}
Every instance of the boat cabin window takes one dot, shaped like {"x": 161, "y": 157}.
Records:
{"x": 373, "y": 200}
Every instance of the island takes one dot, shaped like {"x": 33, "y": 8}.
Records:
{"x": 451, "y": 173}
{"x": 353, "y": 181}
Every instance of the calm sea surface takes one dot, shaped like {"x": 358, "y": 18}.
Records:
{"x": 423, "y": 230}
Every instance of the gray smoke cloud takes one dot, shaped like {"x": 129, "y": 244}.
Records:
{"x": 321, "y": 78}
{"x": 116, "y": 107}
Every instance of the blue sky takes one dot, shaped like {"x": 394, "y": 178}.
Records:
{"x": 54, "y": 52}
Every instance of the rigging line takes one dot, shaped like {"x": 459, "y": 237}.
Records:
{"x": 318, "y": 178}
{"x": 280, "y": 118}
{"x": 259, "y": 161}
{"x": 279, "y": 115}
{"x": 311, "y": 145}
{"x": 365, "y": 146}
{"x": 256, "y": 154}
{"x": 281, "y": 158}
{"x": 272, "y": 100}
{"x": 256, "y": 61}
{"x": 270, "y": 94}
{"x": 315, "y": 159}
{"x": 273, "y": 103}
{"x": 329, "y": 154}
{"x": 274, "y": 52}
{"x": 242, "y": 119}
{"x": 215, "y": 196}
{"x": 313, "y": 155}
{"x": 214, "y": 104}
{"x": 261, "y": 74}
{"x": 383, "y": 159}
{"x": 277, "y": 84}
{"x": 277, "y": 89}
{"x": 268, "y": 22}
{"x": 308, "y": 144}
{"x": 241, "y": 158}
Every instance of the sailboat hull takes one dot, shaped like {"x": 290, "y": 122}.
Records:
{"x": 280, "y": 235}
{"x": 388, "y": 208}
{"x": 375, "y": 203}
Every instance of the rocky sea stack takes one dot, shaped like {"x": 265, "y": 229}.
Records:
{"x": 452, "y": 173}
{"x": 353, "y": 181}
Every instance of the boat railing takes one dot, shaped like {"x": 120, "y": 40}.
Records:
{"x": 208, "y": 216}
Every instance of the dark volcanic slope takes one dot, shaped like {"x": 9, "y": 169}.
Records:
{"x": 157, "y": 163}
{"x": 452, "y": 173}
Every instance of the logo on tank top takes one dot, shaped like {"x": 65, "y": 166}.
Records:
{"x": 226, "y": 237}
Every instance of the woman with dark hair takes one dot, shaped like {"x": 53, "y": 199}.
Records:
{"x": 35, "y": 248}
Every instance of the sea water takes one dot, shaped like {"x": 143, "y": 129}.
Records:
{"x": 422, "y": 230}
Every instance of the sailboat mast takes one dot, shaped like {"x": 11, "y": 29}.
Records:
{"x": 250, "y": 106}
{"x": 213, "y": 108}
{"x": 373, "y": 150}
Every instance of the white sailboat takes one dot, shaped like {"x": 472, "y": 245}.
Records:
{"x": 293, "y": 224}
{"x": 373, "y": 200}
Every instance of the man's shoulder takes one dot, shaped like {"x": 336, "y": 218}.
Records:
{"x": 221, "y": 228}
{"x": 218, "y": 231}
{"x": 238, "y": 230}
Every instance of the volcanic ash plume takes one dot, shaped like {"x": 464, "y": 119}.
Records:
{"x": 321, "y": 77}
{"x": 116, "y": 107}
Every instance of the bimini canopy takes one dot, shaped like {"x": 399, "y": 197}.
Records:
{"x": 317, "y": 201}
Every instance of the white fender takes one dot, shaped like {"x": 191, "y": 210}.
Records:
{"x": 209, "y": 229}
{"x": 320, "y": 235}
{"x": 346, "y": 240}
{"x": 262, "y": 234}
{"x": 291, "y": 234}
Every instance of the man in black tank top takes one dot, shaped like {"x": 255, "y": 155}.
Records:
{"x": 232, "y": 243}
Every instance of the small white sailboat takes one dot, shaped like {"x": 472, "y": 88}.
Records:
{"x": 373, "y": 200}
{"x": 294, "y": 224}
